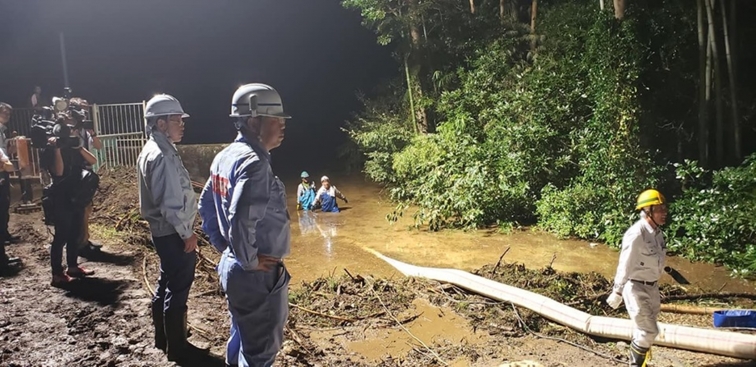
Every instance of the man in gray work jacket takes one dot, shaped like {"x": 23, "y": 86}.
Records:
{"x": 641, "y": 264}
{"x": 168, "y": 203}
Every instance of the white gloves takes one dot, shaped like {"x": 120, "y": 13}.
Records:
{"x": 614, "y": 300}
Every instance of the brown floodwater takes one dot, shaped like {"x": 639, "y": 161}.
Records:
{"x": 325, "y": 243}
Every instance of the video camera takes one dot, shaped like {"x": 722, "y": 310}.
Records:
{"x": 59, "y": 121}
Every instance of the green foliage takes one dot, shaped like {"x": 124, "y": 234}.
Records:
{"x": 564, "y": 135}
{"x": 613, "y": 167}
{"x": 713, "y": 220}
{"x": 381, "y": 130}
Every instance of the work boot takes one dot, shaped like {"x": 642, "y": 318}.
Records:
{"x": 90, "y": 249}
{"x": 638, "y": 356}
{"x": 178, "y": 348}
{"x": 94, "y": 246}
{"x": 157, "y": 322}
{"x": 10, "y": 261}
{"x": 7, "y": 263}
{"x": 61, "y": 279}
{"x": 79, "y": 272}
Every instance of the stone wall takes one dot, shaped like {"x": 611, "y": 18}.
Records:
{"x": 198, "y": 158}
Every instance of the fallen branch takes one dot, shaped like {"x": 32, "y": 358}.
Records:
{"x": 686, "y": 309}
{"x": 438, "y": 357}
{"x": 213, "y": 292}
{"x": 204, "y": 258}
{"x": 708, "y": 295}
{"x": 322, "y": 314}
{"x": 144, "y": 276}
{"x": 297, "y": 338}
{"x": 499, "y": 262}
{"x": 539, "y": 335}
{"x": 119, "y": 225}
{"x": 410, "y": 318}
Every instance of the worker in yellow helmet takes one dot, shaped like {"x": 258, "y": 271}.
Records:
{"x": 641, "y": 264}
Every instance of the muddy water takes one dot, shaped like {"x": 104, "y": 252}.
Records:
{"x": 324, "y": 243}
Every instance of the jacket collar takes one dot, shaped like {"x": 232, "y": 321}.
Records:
{"x": 254, "y": 143}
{"x": 162, "y": 141}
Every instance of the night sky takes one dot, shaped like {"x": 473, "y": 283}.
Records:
{"x": 314, "y": 52}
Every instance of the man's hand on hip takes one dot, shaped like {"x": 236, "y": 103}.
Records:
{"x": 266, "y": 263}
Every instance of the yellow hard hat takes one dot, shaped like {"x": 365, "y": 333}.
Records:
{"x": 650, "y": 197}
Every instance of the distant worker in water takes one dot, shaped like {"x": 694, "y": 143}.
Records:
{"x": 326, "y": 196}
{"x": 641, "y": 264}
{"x": 305, "y": 192}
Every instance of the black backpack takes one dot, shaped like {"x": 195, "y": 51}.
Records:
{"x": 85, "y": 192}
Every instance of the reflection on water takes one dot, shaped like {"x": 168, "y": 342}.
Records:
{"x": 319, "y": 224}
{"x": 326, "y": 243}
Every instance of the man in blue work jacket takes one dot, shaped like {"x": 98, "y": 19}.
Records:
{"x": 243, "y": 210}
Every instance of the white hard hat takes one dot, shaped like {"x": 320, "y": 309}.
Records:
{"x": 324, "y": 178}
{"x": 257, "y": 99}
{"x": 163, "y": 105}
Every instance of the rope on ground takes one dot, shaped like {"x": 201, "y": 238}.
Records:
{"x": 438, "y": 357}
{"x": 587, "y": 349}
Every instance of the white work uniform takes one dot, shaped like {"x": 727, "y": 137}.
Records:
{"x": 641, "y": 264}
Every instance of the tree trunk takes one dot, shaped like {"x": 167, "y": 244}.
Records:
{"x": 410, "y": 92}
{"x": 415, "y": 65}
{"x": 735, "y": 115}
{"x": 703, "y": 88}
{"x": 601, "y": 5}
{"x": 533, "y": 14}
{"x": 472, "y": 6}
{"x": 502, "y": 9}
{"x": 719, "y": 137}
{"x": 619, "y": 9}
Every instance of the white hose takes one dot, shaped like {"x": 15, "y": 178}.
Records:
{"x": 724, "y": 343}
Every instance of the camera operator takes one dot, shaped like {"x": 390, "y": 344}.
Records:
{"x": 63, "y": 157}
{"x": 85, "y": 130}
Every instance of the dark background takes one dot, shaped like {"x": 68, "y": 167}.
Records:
{"x": 314, "y": 52}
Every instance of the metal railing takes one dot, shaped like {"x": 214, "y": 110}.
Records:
{"x": 119, "y": 150}
{"x": 20, "y": 121}
{"x": 122, "y": 118}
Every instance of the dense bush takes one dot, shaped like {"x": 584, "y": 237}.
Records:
{"x": 715, "y": 218}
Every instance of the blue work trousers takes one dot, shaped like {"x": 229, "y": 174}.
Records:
{"x": 258, "y": 302}
{"x": 176, "y": 273}
{"x": 328, "y": 203}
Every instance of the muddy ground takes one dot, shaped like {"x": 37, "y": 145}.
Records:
{"x": 342, "y": 320}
